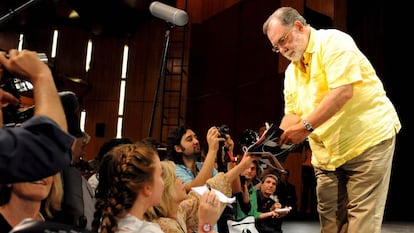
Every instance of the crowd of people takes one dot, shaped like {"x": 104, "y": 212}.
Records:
{"x": 134, "y": 188}
{"x": 332, "y": 102}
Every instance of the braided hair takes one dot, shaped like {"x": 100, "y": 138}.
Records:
{"x": 123, "y": 173}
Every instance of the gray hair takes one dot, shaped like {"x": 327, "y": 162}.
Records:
{"x": 286, "y": 15}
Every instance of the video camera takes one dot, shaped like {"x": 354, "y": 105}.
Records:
{"x": 18, "y": 87}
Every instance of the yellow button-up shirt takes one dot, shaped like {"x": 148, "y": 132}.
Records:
{"x": 332, "y": 59}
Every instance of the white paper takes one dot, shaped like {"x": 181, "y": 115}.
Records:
{"x": 223, "y": 198}
{"x": 283, "y": 210}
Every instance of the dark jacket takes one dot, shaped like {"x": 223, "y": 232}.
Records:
{"x": 267, "y": 225}
{"x": 37, "y": 149}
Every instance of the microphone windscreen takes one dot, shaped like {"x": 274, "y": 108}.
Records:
{"x": 168, "y": 13}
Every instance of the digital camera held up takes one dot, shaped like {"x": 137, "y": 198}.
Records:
{"x": 227, "y": 156}
{"x": 223, "y": 130}
{"x": 18, "y": 87}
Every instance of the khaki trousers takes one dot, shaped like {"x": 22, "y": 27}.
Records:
{"x": 352, "y": 198}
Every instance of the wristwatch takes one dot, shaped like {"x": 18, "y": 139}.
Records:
{"x": 308, "y": 126}
{"x": 206, "y": 228}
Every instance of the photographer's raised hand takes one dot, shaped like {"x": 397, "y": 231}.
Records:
{"x": 214, "y": 139}
{"x": 27, "y": 64}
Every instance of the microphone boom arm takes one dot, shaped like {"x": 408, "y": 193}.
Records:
{"x": 12, "y": 12}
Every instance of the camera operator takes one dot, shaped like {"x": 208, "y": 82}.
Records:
{"x": 40, "y": 146}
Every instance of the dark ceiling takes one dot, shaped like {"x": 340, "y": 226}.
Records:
{"x": 101, "y": 17}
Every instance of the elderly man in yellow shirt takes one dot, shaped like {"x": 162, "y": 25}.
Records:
{"x": 334, "y": 97}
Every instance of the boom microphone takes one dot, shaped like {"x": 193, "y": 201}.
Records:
{"x": 168, "y": 13}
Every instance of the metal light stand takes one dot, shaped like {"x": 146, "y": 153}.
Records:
{"x": 160, "y": 82}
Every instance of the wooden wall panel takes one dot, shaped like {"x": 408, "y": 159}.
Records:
{"x": 325, "y": 7}
{"x": 101, "y": 101}
{"x": 8, "y": 40}
{"x": 39, "y": 40}
{"x": 199, "y": 11}
{"x": 105, "y": 72}
{"x": 136, "y": 120}
{"x": 211, "y": 81}
{"x": 71, "y": 52}
{"x": 69, "y": 63}
{"x": 103, "y": 113}
{"x": 234, "y": 70}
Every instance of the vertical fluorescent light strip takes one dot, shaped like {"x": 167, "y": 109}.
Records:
{"x": 119, "y": 128}
{"x": 125, "y": 62}
{"x": 82, "y": 120}
{"x": 20, "y": 46}
{"x": 121, "y": 98}
{"x": 88, "y": 55}
{"x": 54, "y": 43}
{"x": 122, "y": 91}
{"x": 121, "y": 108}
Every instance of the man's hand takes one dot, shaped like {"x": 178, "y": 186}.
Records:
{"x": 25, "y": 63}
{"x": 213, "y": 139}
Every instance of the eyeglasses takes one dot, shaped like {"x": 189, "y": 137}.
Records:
{"x": 282, "y": 41}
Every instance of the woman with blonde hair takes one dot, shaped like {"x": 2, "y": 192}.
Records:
{"x": 177, "y": 211}
{"x": 23, "y": 200}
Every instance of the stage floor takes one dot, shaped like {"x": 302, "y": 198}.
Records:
{"x": 296, "y": 226}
